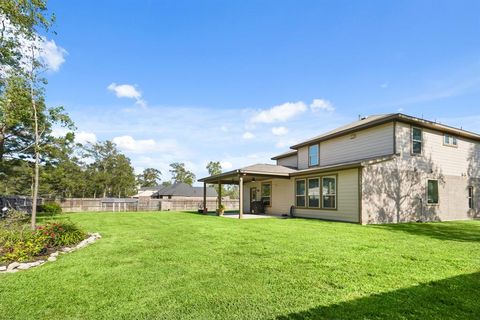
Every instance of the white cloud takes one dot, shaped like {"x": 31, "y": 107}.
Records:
{"x": 384, "y": 85}
{"x": 129, "y": 144}
{"x": 226, "y": 165}
{"x": 127, "y": 91}
{"x": 248, "y": 135}
{"x": 48, "y": 52}
{"x": 321, "y": 104}
{"x": 51, "y": 54}
{"x": 280, "y": 113}
{"x": 279, "y": 131}
{"x": 80, "y": 137}
{"x": 85, "y": 137}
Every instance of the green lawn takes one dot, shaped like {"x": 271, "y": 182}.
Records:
{"x": 190, "y": 266}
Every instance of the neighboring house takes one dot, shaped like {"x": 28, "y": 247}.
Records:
{"x": 380, "y": 169}
{"x": 179, "y": 191}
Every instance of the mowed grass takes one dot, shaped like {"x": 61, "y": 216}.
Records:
{"x": 187, "y": 266}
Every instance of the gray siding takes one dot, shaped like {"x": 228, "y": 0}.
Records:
{"x": 368, "y": 143}
{"x": 347, "y": 202}
{"x": 290, "y": 161}
{"x": 455, "y": 161}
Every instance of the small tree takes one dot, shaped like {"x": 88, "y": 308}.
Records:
{"x": 181, "y": 174}
{"x": 214, "y": 168}
{"x": 150, "y": 177}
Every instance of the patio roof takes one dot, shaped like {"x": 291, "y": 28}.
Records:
{"x": 260, "y": 171}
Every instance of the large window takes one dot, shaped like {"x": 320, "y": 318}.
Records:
{"x": 313, "y": 155}
{"x": 314, "y": 193}
{"x": 470, "y": 197}
{"x": 329, "y": 192}
{"x": 449, "y": 140}
{"x": 300, "y": 193}
{"x": 432, "y": 191}
{"x": 267, "y": 194}
{"x": 417, "y": 141}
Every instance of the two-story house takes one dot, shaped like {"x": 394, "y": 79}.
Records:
{"x": 379, "y": 169}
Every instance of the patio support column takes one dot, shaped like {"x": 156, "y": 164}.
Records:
{"x": 219, "y": 194}
{"x": 240, "y": 204}
{"x": 205, "y": 198}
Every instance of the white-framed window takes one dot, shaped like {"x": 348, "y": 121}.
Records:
{"x": 313, "y": 155}
{"x": 266, "y": 193}
{"x": 300, "y": 193}
{"x": 432, "y": 192}
{"x": 329, "y": 192}
{"x": 449, "y": 140}
{"x": 470, "y": 198}
{"x": 314, "y": 193}
{"x": 417, "y": 140}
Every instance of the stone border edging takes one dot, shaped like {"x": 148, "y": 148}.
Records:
{"x": 17, "y": 266}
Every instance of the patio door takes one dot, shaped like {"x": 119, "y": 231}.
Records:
{"x": 253, "y": 197}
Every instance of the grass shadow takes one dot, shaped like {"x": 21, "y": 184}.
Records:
{"x": 454, "y": 231}
{"x": 451, "y": 298}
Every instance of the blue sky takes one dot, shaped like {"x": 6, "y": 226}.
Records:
{"x": 240, "y": 81}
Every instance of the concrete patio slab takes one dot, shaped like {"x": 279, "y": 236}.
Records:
{"x": 249, "y": 216}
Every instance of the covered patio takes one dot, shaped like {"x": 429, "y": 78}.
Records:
{"x": 256, "y": 172}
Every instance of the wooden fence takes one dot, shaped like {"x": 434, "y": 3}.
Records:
{"x": 19, "y": 203}
{"x": 130, "y": 204}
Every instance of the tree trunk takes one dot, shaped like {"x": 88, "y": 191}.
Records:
{"x": 37, "y": 162}
{"x": 37, "y": 144}
{"x": 2, "y": 142}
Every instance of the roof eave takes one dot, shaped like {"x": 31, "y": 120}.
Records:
{"x": 347, "y": 131}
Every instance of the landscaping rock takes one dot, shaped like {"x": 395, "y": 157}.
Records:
{"x": 12, "y": 266}
{"x": 16, "y": 266}
{"x": 24, "y": 266}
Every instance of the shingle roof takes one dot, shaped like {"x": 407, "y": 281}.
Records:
{"x": 256, "y": 169}
{"x": 267, "y": 168}
{"x": 285, "y": 154}
{"x": 353, "y": 125}
{"x": 384, "y": 118}
{"x": 185, "y": 190}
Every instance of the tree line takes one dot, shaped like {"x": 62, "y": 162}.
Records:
{"x": 33, "y": 160}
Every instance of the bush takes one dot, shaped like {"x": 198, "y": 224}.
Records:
{"x": 60, "y": 234}
{"x": 23, "y": 244}
{"x": 25, "y": 249}
{"x": 50, "y": 209}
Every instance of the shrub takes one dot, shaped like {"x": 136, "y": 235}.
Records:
{"x": 50, "y": 209}
{"x": 61, "y": 233}
{"x": 25, "y": 249}
{"x": 23, "y": 244}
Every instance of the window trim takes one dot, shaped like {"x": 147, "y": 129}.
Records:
{"x": 310, "y": 165}
{"x": 305, "y": 179}
{"x": 454, "y": 138}
{"x": 271, "y": 192}
{"x": 336, "y": 192}
{"x": 296, "y": 195}
{"x": 412, "y": 141}
{"x": 471, "y": 197}
{"x": 438, "y": 194}
{"x": 319, "y": 190}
